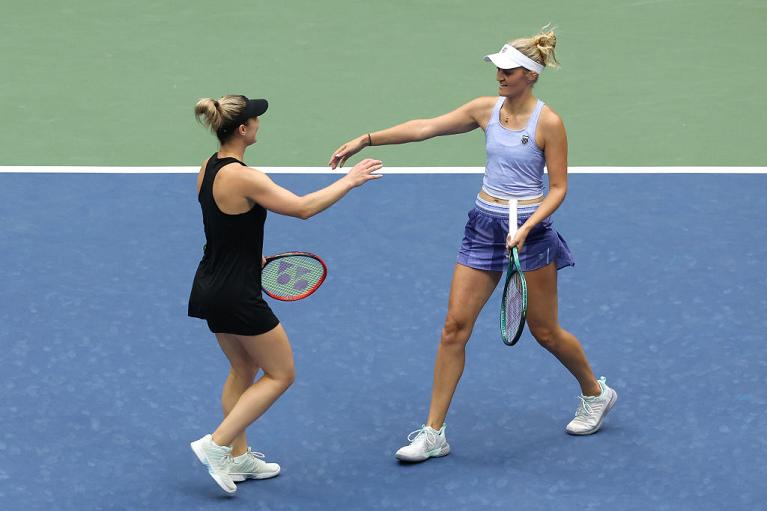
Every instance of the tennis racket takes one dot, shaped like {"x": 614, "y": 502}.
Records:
{"x": 292, "y": 276}
{"x": 514, "y": 301}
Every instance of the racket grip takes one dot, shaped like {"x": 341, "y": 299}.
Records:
{"x": 512, "y": 217}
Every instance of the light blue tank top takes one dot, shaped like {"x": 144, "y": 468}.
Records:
{"x": 515, "y": 163}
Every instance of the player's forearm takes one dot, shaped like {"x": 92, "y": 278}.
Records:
{"x": 410, "y": 131}
{"x": 550, "y": 204}
{"x": 319, "y": 201}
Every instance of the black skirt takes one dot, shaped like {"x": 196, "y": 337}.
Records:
{"x": 232, "y": 304}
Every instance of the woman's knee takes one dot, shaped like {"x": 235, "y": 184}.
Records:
{"x": 456, "y": 331}
{"x": 546, "y": 335}
{"x": 284, "y": 376}
{"x": 289, "y": 376}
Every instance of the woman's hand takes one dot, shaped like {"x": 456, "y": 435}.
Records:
{"x": 518, "y": 240}
{"x": 363, "y": 172}
{"x": 346, "y": 151}
{"x": 263, "y": 261}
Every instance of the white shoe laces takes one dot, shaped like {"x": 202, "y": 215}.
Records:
{"x": 256, "y": 454}
{"x": 427, "y": 435}
{"x": 252, "y": 455}
{"x": 585, "y": 409}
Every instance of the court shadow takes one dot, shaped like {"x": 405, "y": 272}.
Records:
{"x": 200, "y": 490}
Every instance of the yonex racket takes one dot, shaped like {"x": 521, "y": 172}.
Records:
{"x": 292, "y": 275}
{"x": 514, "y": 301}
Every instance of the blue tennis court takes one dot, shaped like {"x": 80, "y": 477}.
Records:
{"x": 105, "y": 380}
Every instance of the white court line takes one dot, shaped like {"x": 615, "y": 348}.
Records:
{"x": 73, "y": 169}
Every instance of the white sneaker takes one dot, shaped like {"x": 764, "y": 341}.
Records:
{"x": 251, "y": 465}
{"x": 592, "y": 411}
{"x": 217, "y": 458}
{"x": 425, "y": 443}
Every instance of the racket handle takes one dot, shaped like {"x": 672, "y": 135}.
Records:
{"x": 512, "y": 217}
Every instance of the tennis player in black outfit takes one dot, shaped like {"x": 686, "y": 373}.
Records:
{"x": 227, "y": 286}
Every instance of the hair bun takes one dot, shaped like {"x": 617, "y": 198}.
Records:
{"x": 540, "y": 47}
{"x": 546, "y": 40}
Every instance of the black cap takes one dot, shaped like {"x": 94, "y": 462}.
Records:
{"x": 253, "y": 108}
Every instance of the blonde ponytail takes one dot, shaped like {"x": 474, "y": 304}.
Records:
{"x": 207, "y": 114}
{"x": 215, "y": 113}
{"x": 540, "y": 47}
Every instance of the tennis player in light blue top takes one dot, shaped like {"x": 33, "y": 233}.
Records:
{"x": 523, "y": 135}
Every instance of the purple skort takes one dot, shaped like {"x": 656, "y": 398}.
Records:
{"x": 484, "y": 240}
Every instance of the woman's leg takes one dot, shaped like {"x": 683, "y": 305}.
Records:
{"x": 469, "y": 292}
{"x": 241, "y": 377}
{"x": 272, "y": 353}
{"x": 544, "y": 325}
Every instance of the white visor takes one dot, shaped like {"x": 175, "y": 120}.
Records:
{"x": 510, "y": 57}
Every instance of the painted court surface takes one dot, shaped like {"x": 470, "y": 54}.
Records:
{"x": 105, "y": 380}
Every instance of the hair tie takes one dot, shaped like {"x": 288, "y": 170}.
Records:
{"x": 215, "y": 103}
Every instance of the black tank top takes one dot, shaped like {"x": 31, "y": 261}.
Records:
{"x": 228, "y": 279}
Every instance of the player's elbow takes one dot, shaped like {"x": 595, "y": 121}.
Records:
{"x": 299, "y": 211}
{"x": 558, "y": 190}
{"x": 304, "y": 210}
